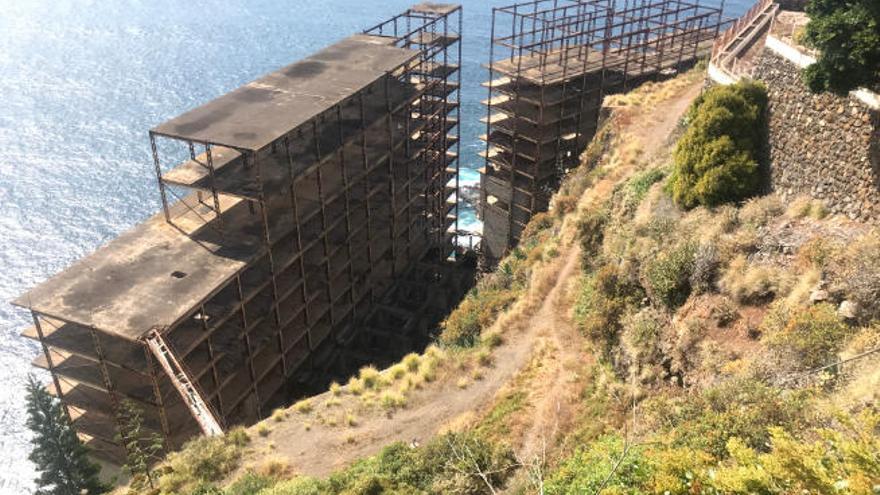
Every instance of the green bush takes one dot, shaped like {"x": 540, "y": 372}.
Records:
{"x": 717, "y": 159}
{"x": 203, "y": 460}
{"x": 604, "y": 298}
{"x": 250, "y": 484}
{"x": 629, "y": 195}
{"x": 847, "y": 35}
{"x": 642, "y": 333}
{"x": 843, "y": 461}
{"x": 667, "y": 276}
{"x": 477, "y": 311}
{"x": 297, "y": 486}
{"x": 591, "y": 230}
{"x": 592, "y": 468}
{"x": 742, "y": 408}
{"x": 813, "y": 335}
{"x": 445, "y": 465}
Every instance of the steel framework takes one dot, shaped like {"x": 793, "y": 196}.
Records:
{"x": 551, "y": 63}
{"x": 312, "y": 220}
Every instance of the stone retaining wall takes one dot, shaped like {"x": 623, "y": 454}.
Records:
{"x": 824, "y": 145}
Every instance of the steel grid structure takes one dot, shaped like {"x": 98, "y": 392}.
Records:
{"x": 551, "y": 63}
{"x": 312, "y": 220}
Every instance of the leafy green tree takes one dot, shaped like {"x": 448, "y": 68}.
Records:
{"x": 60, "y": 458}
{"x": 142, "y": 448}
{"x": 847, "y": 35}
{"x": 717, "y": 159}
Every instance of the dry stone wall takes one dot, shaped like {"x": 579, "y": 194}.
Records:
{"x": 822, "y": 145}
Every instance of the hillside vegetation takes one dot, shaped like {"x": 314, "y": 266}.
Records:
{"x": 628, "y": 345}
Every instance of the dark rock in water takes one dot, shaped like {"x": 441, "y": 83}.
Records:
{"x": 470, "y": 196}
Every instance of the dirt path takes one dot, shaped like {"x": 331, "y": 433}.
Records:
{"x": 551, "y": 402}
{"x": 553, "y": 391}
{"x": 654, "y": 131}
{"x": 317, "y": 449}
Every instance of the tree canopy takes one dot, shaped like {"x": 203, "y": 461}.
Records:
{"x": 61, "y": 460}
{"x": 847, "y": 35}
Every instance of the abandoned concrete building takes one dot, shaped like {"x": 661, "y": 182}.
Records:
{"x": 551, "y": 63}
{"x": 310, "y": 218}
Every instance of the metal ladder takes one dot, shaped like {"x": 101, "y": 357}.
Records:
{"x": 188, "y": 391}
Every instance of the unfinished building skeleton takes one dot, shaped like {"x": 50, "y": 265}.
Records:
{"x": 551, "y": 63}
{"x": 314, "y": 212}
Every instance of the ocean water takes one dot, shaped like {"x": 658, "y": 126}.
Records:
{"x": 81, "y": 82}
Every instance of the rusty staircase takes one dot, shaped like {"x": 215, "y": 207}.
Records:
{"x": 188, "y": 390}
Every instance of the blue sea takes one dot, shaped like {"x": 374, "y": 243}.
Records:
{"x": 81, "y": 82}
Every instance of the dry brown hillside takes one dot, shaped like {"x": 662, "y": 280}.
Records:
{"x": 627, "y": 346}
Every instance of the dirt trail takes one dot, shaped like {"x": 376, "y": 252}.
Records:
{"x": 551, "y": 402}
{"x": 317, "y": 449}
{"x": 654, "y": 131}
{"x": 553, "y": 394}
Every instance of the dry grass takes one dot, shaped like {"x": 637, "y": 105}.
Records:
{"x": 807, "y": 280}
{"x": 274, "y": 467}
{"x": 350, "y": 419}
{"x": 484, "y": 357}
{"x": 750, "y": 283}
{"x": 758, "y": 212}
{"x": 279, "y": 415}
{"x": 263, "y": 429}
{"x": 355, "y": 386}
{"x": 863, "y": 389}
{"x": 335, "y": 388}
{"x": 397, "y": 371}
{"x": 303, "y": 407}
{"x": 804, "y": 206}
{"x": 371, "y": 378}
{"x": 411, "y": 361}
{"x": 648, "y": 95}
{"x": 390, "y": 400}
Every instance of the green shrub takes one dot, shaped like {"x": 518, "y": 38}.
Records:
{"x": 250, "y": 484}
{"x": 493, "y": 294}
{"x": 813, "y": 335}
{"x": 477, "y": 311}
{"x": 641, "y": 335}
{"x": 203, "y": 460}
{"x": 677, "y": 470}
{"x": 591, "y": 231}
{"x": 446, "y": 464}
{"x": 637, "y": 187}
{"x": 297, "y": 486}
{"x": 843, "y": 461}
{"x": 667, "y": 276}
{"x": 597, "y": 465}
{"x": 629, "y": 195}
{"x": 743, "y": 408}
{"x": 604, "y": 298}
{"x": 717, "y": 159}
